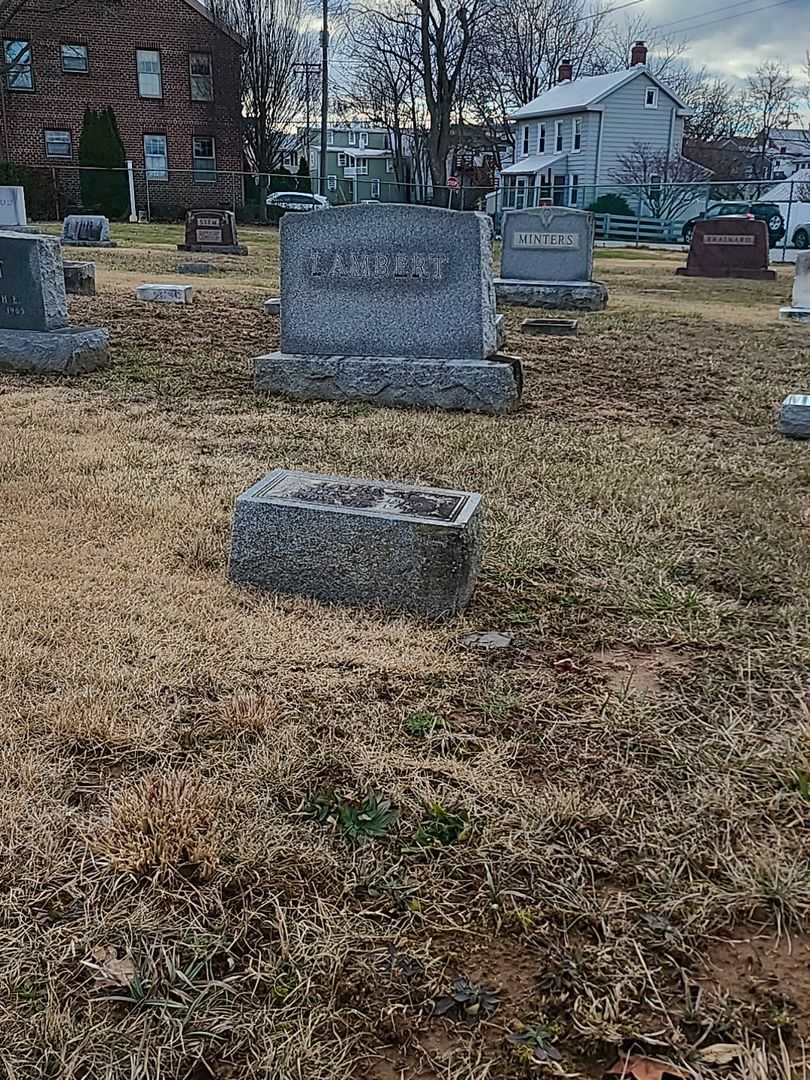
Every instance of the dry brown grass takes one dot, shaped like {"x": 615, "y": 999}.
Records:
{"x": 631, "y": 778}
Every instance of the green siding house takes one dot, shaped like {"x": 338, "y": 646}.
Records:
{"x": 570, "y": 138}
{"x": 359, "y": 164}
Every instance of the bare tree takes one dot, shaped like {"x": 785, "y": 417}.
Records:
{"x": 664, "y": 52}
{"x": 665, "y": 183}
{"x": 772, "y": 94}
{"x": 719, "y": 111}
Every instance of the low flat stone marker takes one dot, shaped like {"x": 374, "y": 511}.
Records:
{"x": 360, "y": 542}
{"x": 12, "y": 206}
{"x": 547, "y": 260}
{"x": 799, "y": 310}
{"x": 86, "y": 230}
{"x": 794, "y": 417}
{"x": 212, "y": 230}
{"x": 273, "y": 306}
{"x": 194, "y": 268}
{"x": 735, "y": 247}
{"x": 80, "y": 278}
{"x": 550, "y": 327}
{"x": 391, "y": 304}
{"x": 165, "y": 294}
{"x": 35, "y": 333}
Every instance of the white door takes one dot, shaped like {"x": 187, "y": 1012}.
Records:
{"x": 520, "y": 192}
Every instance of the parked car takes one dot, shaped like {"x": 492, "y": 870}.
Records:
{"x": 764, "y": 211}
{"x": 801, "y": 236}
{"x": 297, "y": 201}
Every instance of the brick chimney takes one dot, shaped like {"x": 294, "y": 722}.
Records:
{"x": 638, "y": 54}
{"x": 566, "y": 72}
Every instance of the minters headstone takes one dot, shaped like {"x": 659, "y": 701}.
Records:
{"x": 799, "y": 310}
{"x": 360, "y": 542}
{"x": 12, "y": 206}
{"x": 86, "y": 230}
{"x": 35, "y": 334}
{"x": 729, "y": 247}
{"x": 390, "y": 304}
{"x": 80, "y": 278}
{"x": 794, "y": 417}
{"x": 165, "y": 294}
{"x": 547, "y": 260}
{"x": 213, "y": 231}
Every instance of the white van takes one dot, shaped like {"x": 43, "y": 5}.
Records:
{"x": 795, "y": 212}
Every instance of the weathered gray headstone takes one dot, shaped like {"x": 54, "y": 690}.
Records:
{"x": 799, "y": 310}
{"x": 35, "y": 335}
{"x": 361, "y": 542}
{"x": 794, "y": 416}
{"x": 80, "y": 278}
{"x": 86, "y": 230}
{"x": 547, "y": 259}
{"x": 391, "y": 304}
{"x": 12, "y": 206}
{"x": 165, "y": 294}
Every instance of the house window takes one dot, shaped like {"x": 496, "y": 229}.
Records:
{"x": 362, "y": 139}
{"x": 331, "y": 183}
{"x": 202, "y": 76}
{"x": 651, "y": 98}
{"x": 330, "y": 137}
{"x": 149, "y": 80}
{"x": 343, "y": 161}
{"x": 155, "y": 157}
{"x": 375, "y": 189}
{"x": 19, "y": 70}
{"x": 204, "y": 161}
{"x": 58, "y": 144}
{"x": 655, "y": 186}
{"x": 526, "y": 140}
{"x": 541, "y": 139}
{"x": 389, "y": 164}
{"x": 352, "y": 138}
{"x": 74, "y": 57}
{"x": 558, "y": 192}
{"x": 577, "y": 139}
{"x": 558, "y": 135}
{"x": 574, "y": 189}
{"x": 360, "y": 167}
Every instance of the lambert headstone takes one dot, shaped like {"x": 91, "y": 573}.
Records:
{"x": 86, "y": 230}
{"x": 391, "y": 304}
{"x": 12, "y": 207}
{"x": 799, "y": 310}
{"x": 35, "y": 334}
{"x": 547, "y": 260}
{"x": 794, "y": 416}
{"x": 729, "y": 247}
{"x": 80, "y": 278}
{"x": 212, "y": 230}
{"x": 361, "y": 542}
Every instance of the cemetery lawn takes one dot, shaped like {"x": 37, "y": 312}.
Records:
{"x": 251, "y": 836}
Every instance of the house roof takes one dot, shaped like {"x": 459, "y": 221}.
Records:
{"x": 204, "y": 10}
{"x": 360, "y": 152}
{"x": 533, "y": 164}
{"x": 785, "y": 189}
{"x": 584, "y": 93}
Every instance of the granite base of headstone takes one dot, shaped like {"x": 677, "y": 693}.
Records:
{"x": 393, "y": 305}
{"x": 794, "y": 417}
{"x": 213, "y": 231}
{"x": 86, "y": 230}
{"x": 729, "y": 247}
{"x": 358, "y": 542}
{"x": 547, "y": 260}
{"x": 165, "y": 294}
{"x": 80, "y": 278}
{"x": 799, "y": 309}
{"x": 194, "y": 268}
{"x": 272, "y": 306}
{"x": 35, "y": 333}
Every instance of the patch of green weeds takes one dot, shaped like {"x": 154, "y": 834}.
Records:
{"x": 468, "y": 1001}
{"x": 440, "y": 828}
{"x": 422, "y": 723}
{"x": 359, "y": 819}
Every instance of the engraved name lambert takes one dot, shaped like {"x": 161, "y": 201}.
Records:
{"x": 545, "y": 240}
{"x": 400, "y": 266}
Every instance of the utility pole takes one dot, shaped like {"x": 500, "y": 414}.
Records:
{"x": 324, "y": 96}
{"x": 307, "y": 68}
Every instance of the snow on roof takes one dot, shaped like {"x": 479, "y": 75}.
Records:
{"x": 580, "y": 93}
{"x": 535, "y": 163}
{"x": 781, "y": 192}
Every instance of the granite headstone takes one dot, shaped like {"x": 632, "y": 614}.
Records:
{"x": 86, "y": 230}
{"x": 212, "y": 231}
{"x": 12, "y": 206}
{"x": 794, "y": 416}
{"x": 80, "y": 278}
{"x": 799, "y": 310}
{"x": 729, "y": 247}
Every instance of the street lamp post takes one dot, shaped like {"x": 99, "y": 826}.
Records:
{"x": 324, "y": 96}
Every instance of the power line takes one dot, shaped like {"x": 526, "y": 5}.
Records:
{"x": 703, "y": 14}
{"x": 725, "y": 18}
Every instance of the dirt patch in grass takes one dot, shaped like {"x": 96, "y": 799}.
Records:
{"x": 626, "y": 671}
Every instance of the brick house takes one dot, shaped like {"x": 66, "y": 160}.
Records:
{"x": 170, "y": 73}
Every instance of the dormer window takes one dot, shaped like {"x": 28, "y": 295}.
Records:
{"x": 651, "y": 98}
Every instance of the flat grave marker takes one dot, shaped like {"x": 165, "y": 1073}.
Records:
{"x": 165, "y": 294}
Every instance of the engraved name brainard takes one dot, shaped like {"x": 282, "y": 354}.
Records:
{"x": 568, "y": 241}
{"x": 719, "y": 238}
{"x": 378, "y": 266}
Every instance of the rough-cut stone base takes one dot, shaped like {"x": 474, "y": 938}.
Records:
{"x": 794, "y": 417}
{"x": 488, "y": 386}
{"x": 795, "y": 314}
{"x": 553, "y": 295}
{"x": 377, "y": 544}
{"x": 68, "y": 351}
{"x": 272, "y": 306}
{"x": 80, "y": 278}
{"x": 748, "y": 275}
{"x": 215, "y": 249}
{"x": 89, "y": 243}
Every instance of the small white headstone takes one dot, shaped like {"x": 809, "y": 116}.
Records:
{"x": 794, "y": 416}
{"x": 12, "y": 206}
{"x": 165, "y": 294}
{"x": 799, "y": 310}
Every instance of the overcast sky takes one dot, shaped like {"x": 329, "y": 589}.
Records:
{"x": 737, "y": 44}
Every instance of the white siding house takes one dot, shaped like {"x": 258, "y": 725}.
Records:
{"x": 570, "y": 138}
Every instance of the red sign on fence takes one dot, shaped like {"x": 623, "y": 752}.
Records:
{"x": 453, "y": 183}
